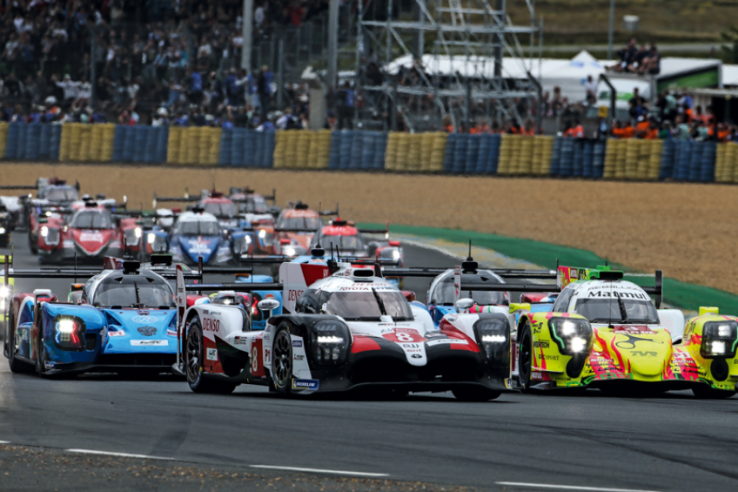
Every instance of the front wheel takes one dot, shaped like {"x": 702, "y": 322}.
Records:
{"x": 704, "y": 392}
{"x": 16, "y": 366}
{"x": 476, "y": 394}
{"x": 195, "y": 348}
{"x": 525, "y": 358}
{"x": 282, "y": 360}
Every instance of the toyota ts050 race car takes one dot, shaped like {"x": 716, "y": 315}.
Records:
{"x": 605, "y": 332}
{"x": 125, "y": 322}
{"x": 343, "y": 327}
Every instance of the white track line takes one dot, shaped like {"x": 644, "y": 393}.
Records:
{"x": 120, "y": 455}
{"x": 5, "y": 442}
{"x": 316, "y": 470}
{"x": 567, "y": 487}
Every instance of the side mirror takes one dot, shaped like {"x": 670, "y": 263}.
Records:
{"x": 409, "y": 295}
{"x": 522, "y": 306}
{"x": 268, "y": 305}
{"x": 464, "y": 304}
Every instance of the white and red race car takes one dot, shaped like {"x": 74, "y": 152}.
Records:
{"x": 343, "y": 327}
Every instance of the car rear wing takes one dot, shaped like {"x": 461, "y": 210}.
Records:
{"x": 384, "y": 231}
{"x": 19, "y": 187}
{"x": 566, "y": 275}
{"x": 506, "y": 273}
{"x": 176, "y": 199}
{"x": 248, "y": 191}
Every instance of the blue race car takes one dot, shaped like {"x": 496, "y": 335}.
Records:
{"x": 197, "y": 234}
{"x": 120, "y": 320}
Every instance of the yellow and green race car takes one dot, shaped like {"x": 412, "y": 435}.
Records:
{"x": 605, "y": 332}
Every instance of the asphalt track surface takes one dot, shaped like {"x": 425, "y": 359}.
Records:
{"x": 518, "y": 442}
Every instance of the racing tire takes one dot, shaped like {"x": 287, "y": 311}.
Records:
{"x": 32, "y": 244}
{"x": 525, "y": 358}
{"x": 704, "y": 392}
{"x": 282, "y": 360}
{"x": 194, "y": 354}
{"x": 475, "y": 394}
{"x": 16, "y": 366}
{"x": 40, "y": 352}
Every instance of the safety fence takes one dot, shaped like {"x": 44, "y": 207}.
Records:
{"x": 364, "y": 150}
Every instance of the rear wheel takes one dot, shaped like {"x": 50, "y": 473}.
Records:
{"x": 525, "y": 358}
{"x": 704, "y": 392}
{"x": 476, "y": 394}
{"x": 195, "y": 348}
{"x": 16, "y": 366}
{"x": 282, "y": 360}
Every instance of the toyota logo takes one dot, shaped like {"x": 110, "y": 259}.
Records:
{"x": 147, "y": 331}
{"x": 144, "y": 319}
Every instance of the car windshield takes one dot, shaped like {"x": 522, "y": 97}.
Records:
{"x": 366, "y": 305}
{"x": 197, "y": 228}
{"x": 342, "y": 243}
{"x": 300, "y": 223}
{"x": 445, "y": 294}
{"x": 227, "y": 208}
{"x": 92, "y": 220}
{"x": 120, "y": 290}
{"x": 606, "y": 310}
{"x": 66, "y": 194}
{"x": 254, "y": 205}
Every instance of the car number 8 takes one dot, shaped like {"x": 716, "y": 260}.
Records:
{"x": 405, "y": 337}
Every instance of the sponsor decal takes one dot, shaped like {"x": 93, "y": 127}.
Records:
{"x": 68, "y": 243}
{"x": 536, "y": 375}
{"x": 297, "y": 343}
{"x": 118, "y": 333}
{"x": 623, "y": 295}
{"x": 540, "y": 344}
{"x": 638, "y": 353}
{"x": 431, "y": 335}
{"x": 144, "y": 319}
{"x": 548, "y": 357}
{"x": 416, "y": 356}
{"x": 299, "y": 357}
{"x": 91, "y": 237}
{"x": 293, "y": 295}
{"x": 147, "y": 331}
{"x": 49, "y": 365}
{"x": 254, "y": 360}
{"x": 212, "y": 354}
{"x": 448, "y": 341}
{"x": 240, "y": 341}
{"x": 209, "y": 324}
{"x": 631, "y": 342}
{"x": 150, "y": 343}
{"x": 308, "y": 384}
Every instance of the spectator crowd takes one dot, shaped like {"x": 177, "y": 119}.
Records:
{"x": 132, "y": 61}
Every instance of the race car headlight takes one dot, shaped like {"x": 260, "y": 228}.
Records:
{"x": 329, "y": 342}
{"x": 5, "y": 291}
{"x": 241, "y": 244}
{"x": 51, "y": 236}
{"x": 69, "y": 333}
{"x": 2, "y": 230}
{"x": 151, "y": 238}
{"x": 289, "y": 251}
{"x": 262, "y": 234}
{"x": 396, "y": 255}
{"x": 137, "y": 232}
{"x": 572, "y": 335}
{"x": 493, "y": 337}
{"x": 719, "y": 339}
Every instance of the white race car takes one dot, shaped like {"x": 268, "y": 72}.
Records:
{"x": 344, "y": 327}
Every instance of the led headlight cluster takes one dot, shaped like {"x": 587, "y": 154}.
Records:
{"x": 329, "y": 342}
{"x": 50, "y": 235}
{"x": 719, "y": 339}
{"x": 572, "y": 335}
{"x": 493, "y": 337}
{"x": 69, "y": 333}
